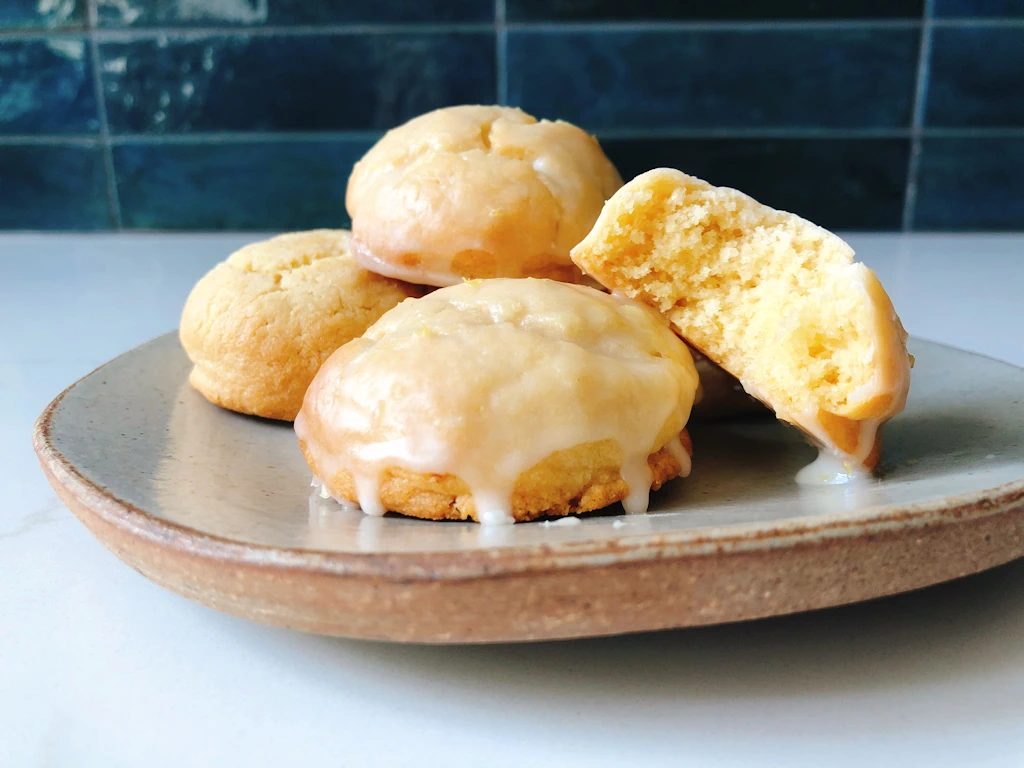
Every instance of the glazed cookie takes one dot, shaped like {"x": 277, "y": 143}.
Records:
{"x": 501, "y": 400}
{"x": 258, "y": 326}
{"x": 775, "y": 300}
{"x": 477, "y": 191}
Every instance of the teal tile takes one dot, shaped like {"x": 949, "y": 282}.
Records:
{"x": 971, "y": 184}
{"x": 53, "y": 187}
{"x": 291, "y": 82}
{"x": 837, "y": 183}
{"x": 977, "y": 77}
{"x": 32, "y": 14}
{"x": 46, "y": 86}
{"x": 712, "y": 79}
{"x": 169, "y": 13}
{"x": 237, "y": 185}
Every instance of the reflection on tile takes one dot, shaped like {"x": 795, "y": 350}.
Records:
{"x": 971, "y": 184}
{"x": 605, "y": 10}
{"x": 977, "y": 77}
{"x": 45, "y": 86}
{"x": 291, "y": 83}
{"x": 852, "y": 184}
{"x": 138, "y": 13}
{"x": 979, "y": 8}
{"x": 32, "y": 14}
{"x": 739, "y": 78}
{"x": 52, "y": 187}
{"x": 238, "y": 185}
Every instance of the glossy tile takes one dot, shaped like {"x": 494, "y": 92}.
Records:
{"x": 852, "y": 184}
{"x": 977, "y": 77}
{"x": 971, "y": 184}
{"x": 142, "y": 13}
{"x": 737, "y": 78}
{"x": 32, "y": 14}
{"x": 979, "y": 8}
{"x": 53, "y": 187}
{"x": 616, "y": 10}
{"x": 291, "y": 83}
{"x": 46, "y": 86}
{"x": 271, "y": 185}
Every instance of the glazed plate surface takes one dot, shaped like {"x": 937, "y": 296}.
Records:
{"x": 219, "y": 508}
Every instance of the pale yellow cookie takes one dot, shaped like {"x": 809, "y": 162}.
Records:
{"x": 775, "y": 300}
{"x": 477, "y": 191}
{"x": 501, "y": 400}
{"x": 258, "y": 326}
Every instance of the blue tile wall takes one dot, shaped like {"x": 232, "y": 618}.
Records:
{"x": 248, "y": 114}
{"x": 291, "y": 82}
{"x": 53, "y": 186}
{"x": 977, "y": 77}
{"x": 32, "y": 14}
{"x": 272, "y": 185}
{"x": 748, "y": 78}
{"x": 866, "y": 178}
{"x": 172, "y": 13}
{"x": 979, "y": 8}
{"x": 46, "y": 86}
{"x": 971, "y": 184}
{"x": 617, "y": 10}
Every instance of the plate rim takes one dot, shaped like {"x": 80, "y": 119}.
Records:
{"x": 496, "y": 561}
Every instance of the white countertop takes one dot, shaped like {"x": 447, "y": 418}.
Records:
{"x": 99, "y": 667}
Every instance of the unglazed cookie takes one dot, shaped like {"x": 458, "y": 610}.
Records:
{"x": 258, "y": 326}
{"x": 501, "y": 400}
{"x": 474, "y": 192}
{"x": 775, "y": 300}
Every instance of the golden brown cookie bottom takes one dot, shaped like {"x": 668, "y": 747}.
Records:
{"x": 570, "y": 482}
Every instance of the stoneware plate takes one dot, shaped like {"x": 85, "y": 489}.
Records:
{"x": 218, "y": 507}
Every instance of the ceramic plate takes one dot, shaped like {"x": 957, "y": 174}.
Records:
{"x": 219, "y": 508}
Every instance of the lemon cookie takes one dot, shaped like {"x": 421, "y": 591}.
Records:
{"x": 258, "y": 326}
{"x": 775, "y": 300}
{"x": 501, "y": 400}
{"x": 477, "y": 191}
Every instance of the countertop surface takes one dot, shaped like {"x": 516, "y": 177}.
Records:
{"x": 99, "y": 667}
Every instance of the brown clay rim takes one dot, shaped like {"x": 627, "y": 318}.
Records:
{"x": 499, "y": 561}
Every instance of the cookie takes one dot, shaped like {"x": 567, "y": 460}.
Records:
{"x": 476, "y": 192}
{"x": 501, "y": 400}
{"x": 258, "y": 326}
{"x": 775, "y": 300}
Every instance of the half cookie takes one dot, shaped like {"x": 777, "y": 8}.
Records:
{"x": 774, "y": 299}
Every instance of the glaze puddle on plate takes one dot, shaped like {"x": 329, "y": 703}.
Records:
{"x": 219, "y": 507}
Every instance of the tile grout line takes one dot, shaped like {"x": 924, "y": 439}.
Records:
{"x": 917, "y": 118}
{"x": 136, "y": 33}
{"x": 501, "y": 52}
{"x": 754, "y": 134}
{"x": 113, "y": 201}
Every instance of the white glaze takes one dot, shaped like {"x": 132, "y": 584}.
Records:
{"x": 485, "y": 380}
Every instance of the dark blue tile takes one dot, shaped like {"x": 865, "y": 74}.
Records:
{"x": 291, "y": 83}
{"x": 979, "y": 8}
{"x": 977, "y": 77}
{"x": 764, "y": 78}
{"x": 837, "y": 183}
{"x": 634, "y": 10}
{"x": 46, "y": 86}
{"x": 238, "y": 185}
{"x": 971, "y": 184}
{"x": 32, "y": 14}
{"x": 138, "y": 13}
{"x": 53, "y": 187}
